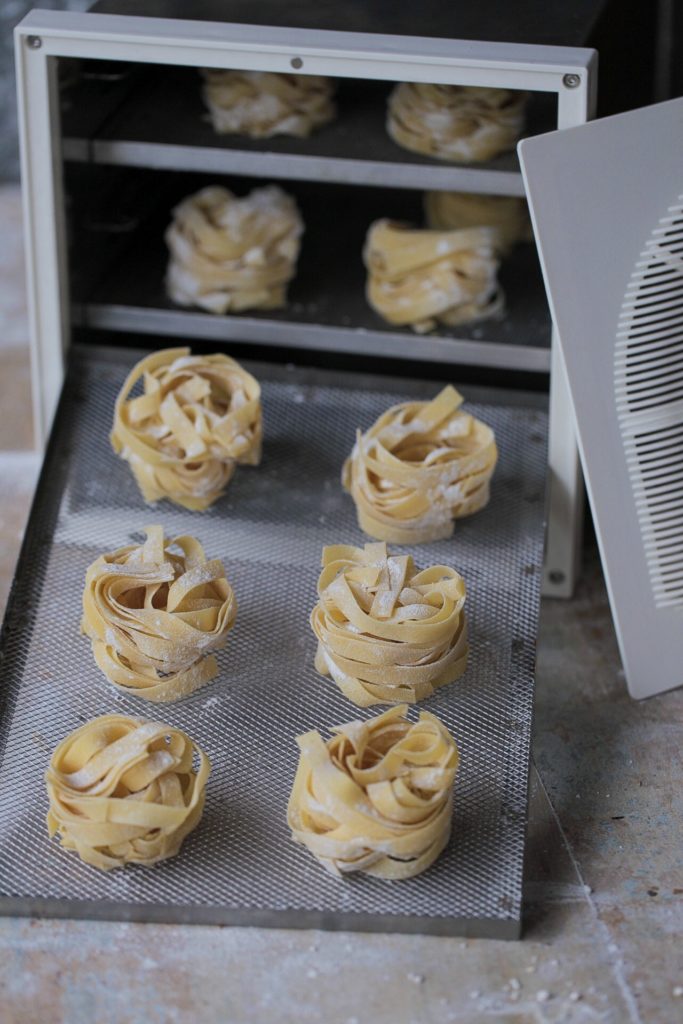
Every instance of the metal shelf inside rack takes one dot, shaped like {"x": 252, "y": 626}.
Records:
{"x": 327, "y": 308}
{"x": 162, "y": 123}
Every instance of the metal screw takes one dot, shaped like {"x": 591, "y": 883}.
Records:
{"x": 571, "y": 81}
{"x": 556, "y": 576}
{"x": 296, "y": 62}
{"x": 34, "y": 42}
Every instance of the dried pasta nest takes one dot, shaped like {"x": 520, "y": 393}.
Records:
{"x": 421, "y": 277}
{"x": 387, "y": 631}
{"x": 124, "y": 791}
{"x": 154, "y": 612}
{"x": 230, "y": 253}
{"x": 507, "y": 216}
{"x": 377, "y": 797}
{"x": 420, "y": 466}
{"x": 198, "y": 417}
{"x": 455, "y": 122}
{"x": 262, "y": 103}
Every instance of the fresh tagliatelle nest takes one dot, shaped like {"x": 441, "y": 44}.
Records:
{"x": 507, "y": 216}
{"x": 422, "y": 277}
{"x": 420, "y": 466}
{"x": 154, "y": 614}
{"x": 387, "y": 631}
{"x": 230, "y": 253}
{"x": 462, "y": 123}
{"x": 377, "y": 797}
{"x": 125, "y": 791}
{"x": 199, "y": 416}
{"x": 261, "y": 104}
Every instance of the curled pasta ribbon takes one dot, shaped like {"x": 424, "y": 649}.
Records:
{"x": 123, "y": 791}
{"x": 419, "y": 277}
{"x": 388, "y": 632}
{"x": 420, "y": 466}
{"x": 228, "y": 254}
{"x": 455, "y": 122}
{"x": 377, "y": 797}
{"x": 197, "y": 418}
{"x": 154, "y": 615}
{"x": 261, "y": 104}
{"x": 507, "y": 216}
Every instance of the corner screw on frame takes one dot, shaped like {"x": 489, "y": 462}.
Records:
{"x": 34, "y": 42}
{"x": 571, "y": 81}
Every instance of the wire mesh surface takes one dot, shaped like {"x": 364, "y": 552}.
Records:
{"x": 240, "y": 865}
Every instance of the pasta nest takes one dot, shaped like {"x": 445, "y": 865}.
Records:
{"x": 387, "y": 631}
{"x": 154, "y": 615}
{"x": 507, "y": 216}
{"x": 230, "y": 253}
{"x": 198, "y": 417}
{"x": 419, "y": 277}
{"x": 455, "y": 122}
{"x": 420, "y": 466}
{"x": 263, "y": 103}
{"x": 123, "y": 791}
{"x": 377, "y": 797}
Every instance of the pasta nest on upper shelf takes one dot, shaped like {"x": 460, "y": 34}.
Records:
{"x": 154, "y": 615}
{"x": 420, "y": 277}
{"x": 377, "y": 797}
{"x": 507, "y": 216}
{"x": 124, "y": 791}
{"x": 420, "y": 466}
{"x": 462, "y": 123}
{"x": 230, "y": 253}
{"x": 198, "y": 417}
{"x": 387, "y": 631}
{"x": 261, "y": 104}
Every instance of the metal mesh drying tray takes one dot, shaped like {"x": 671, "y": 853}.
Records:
{"x": 240, "y": 866}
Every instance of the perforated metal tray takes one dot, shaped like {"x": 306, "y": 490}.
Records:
{"x": 240, "y": 866}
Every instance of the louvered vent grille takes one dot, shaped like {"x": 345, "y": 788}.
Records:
{"x": 649, "y": 395}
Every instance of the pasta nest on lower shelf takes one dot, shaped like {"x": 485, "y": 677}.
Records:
{"x": 125, "y": 791}
{"x": 153, "y": 615}
{"x": 388, "y": 632}
{"x": 421, "y": 277}
{"x": 198, "y": 417}
{"x": 420, "y": 466}
{"x": 229, "y": 253}
{"x": 377, "y": 797}
{"x": 507, "y": 216}
{"x": 462, "y": 123}
{"x": 261, "y": 104}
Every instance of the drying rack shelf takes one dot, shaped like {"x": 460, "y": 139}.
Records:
{"x": 161, "y": 122}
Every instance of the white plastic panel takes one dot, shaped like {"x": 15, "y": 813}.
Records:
{"x": 607, "y": 206}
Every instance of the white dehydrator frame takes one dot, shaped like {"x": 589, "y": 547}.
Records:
{"x": 44, "y": 36}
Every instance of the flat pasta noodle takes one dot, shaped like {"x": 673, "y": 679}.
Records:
{"x": 507, "y": 216}
{"x": 462, "y": 123}
{"x": 154, "y": 615}
{"x": 420, "y": 466}
{"x": 377, "y": 796}
{"x": 421, "y": 277}
{"x": 388, "y": 632}
{"x": 197, "y": 418}
{"x": 262, "y": 104}
{"x": 229, "y": 253}
{"x": 125, "y": 791}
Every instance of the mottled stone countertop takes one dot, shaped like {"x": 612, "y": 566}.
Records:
{"x": 604, "y": 919}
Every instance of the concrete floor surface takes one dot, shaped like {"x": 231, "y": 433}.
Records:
{"x": 604, "y": 918}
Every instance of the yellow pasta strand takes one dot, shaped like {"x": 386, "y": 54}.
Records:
{"x": 377, "y": 797}
{"x": 387, "y": 631}
{"x": 154, "y": 614}
{"x": 507, "y": 216}
{"x": 199, "y": 417}
{"x": 420, "y": 277}
{"x": 420, "y": 466}
{"x": 124, "y": 791}
{"x": 261, "y": 104}
{"x": 455, "y": 122}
